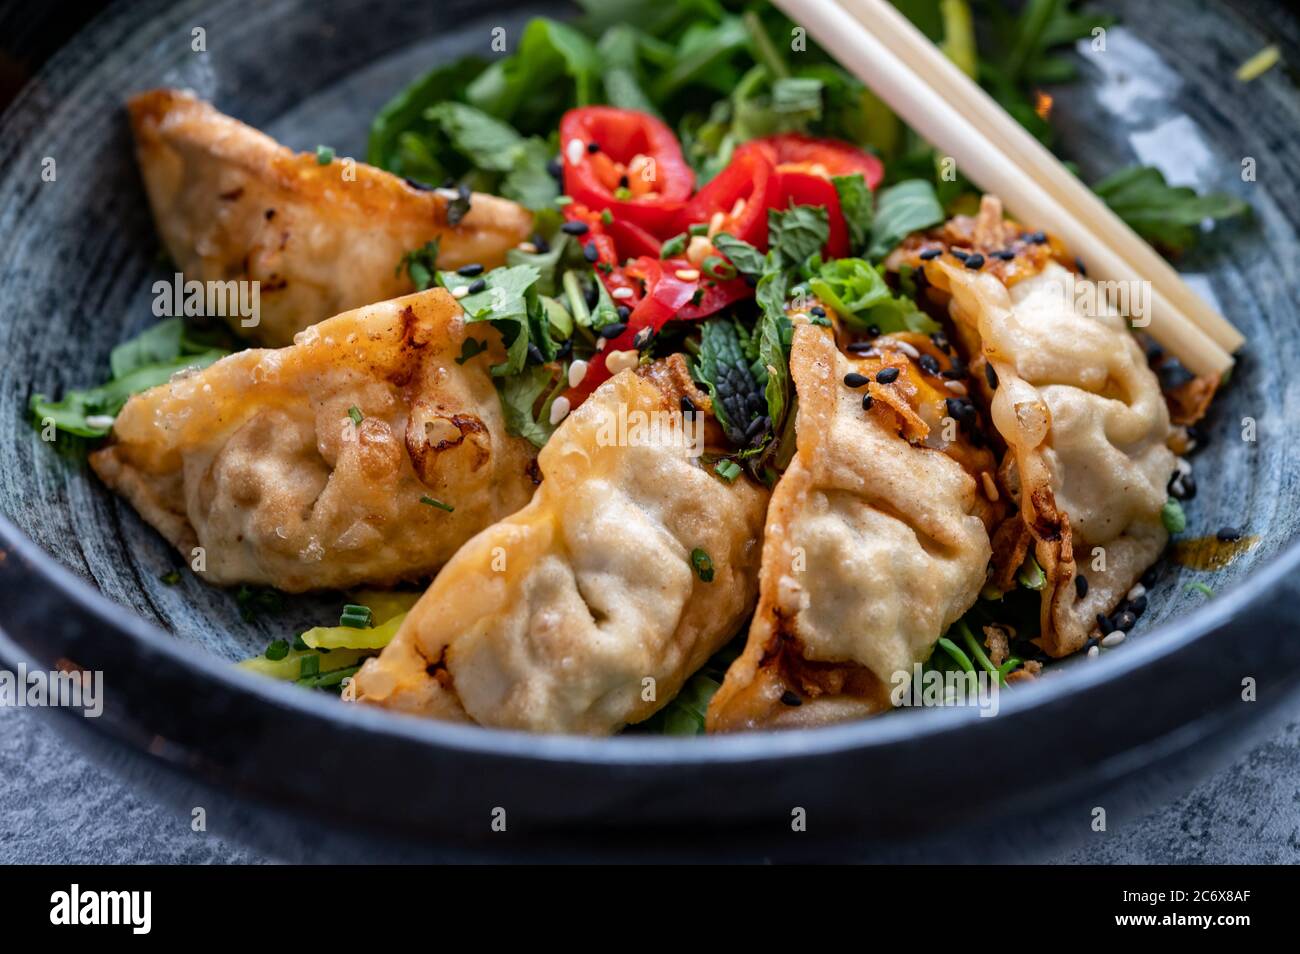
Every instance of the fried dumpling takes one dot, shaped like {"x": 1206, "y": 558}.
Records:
{"x": 231, "y": 204}
{"x": 589, "y": 608}
{"x": 876, "y": 537}
{"x": 327, "y": 464}
{"x": 1086, "y": 429}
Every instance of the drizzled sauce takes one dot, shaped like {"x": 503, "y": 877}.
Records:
{"x": 1210, "y": 553}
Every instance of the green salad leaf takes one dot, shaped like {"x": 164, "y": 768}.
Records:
{"x": 901, "y": 210}
{"x": 1168, "y": 216}
{"x": 859, "y": 294}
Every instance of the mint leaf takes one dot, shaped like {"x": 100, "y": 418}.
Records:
{"x": 901, "y": 210}
{"x": 857, "y": 206}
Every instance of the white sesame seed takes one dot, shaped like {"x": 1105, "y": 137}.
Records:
{"x": 600, "y": 343}
{"x": 1093, "y": 652}
{"x": 907, "y": 349}
{"x": 100, "y": 420}
{"x": 448, "y": 194}
{"x": 575, "y": 150}
{"x": 617, "y": 361}
{"x": 800, "y": 316}
{"x": 688, "y": 274}
{"x": 990, "y": 488}
{"x": 1113, "y": 639}
{"x": 715, "y": 224}
{"x": 621, "y": 293}
{"x": 738, "y": 208}
{"x": 1137, "y": 592}
{"x": 460, "y": 291}
{"x": 528, "y": 247}
{"x": 956, "y": 387}
{"x": 577, "y": 371}
{"x": 559, "y": 409}
{"x": 1183, "y": 466}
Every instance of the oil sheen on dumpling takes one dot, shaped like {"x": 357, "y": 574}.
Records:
{"x": 231, "y": 204}
{"x": 258, "y": 460}
{"x": 876, "y": 541}
{"x": 582, "y": 612}
{"x": 1086, "y": 428}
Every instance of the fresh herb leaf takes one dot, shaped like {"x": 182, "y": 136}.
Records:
{"x": 858, "y": 292}
{"x": 520, "y": 393}
{"x": 504, "y": 300}
{"x": 724, "y": 369}
{"x": 858, "y": 208}
{"x": 421, "y": 264}
{"x": 901, "y": 210}
{"x": 702, "y": 564}
{"x": 435, "y": 503}
{"x": 1164, "y": 215}
{"x": 744, "y": 256}
{"x": 797, "y": 233}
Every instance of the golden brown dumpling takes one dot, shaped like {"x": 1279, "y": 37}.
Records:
{"x": 232, "y": 204}
{"x": 1086, "y": 429}
{"x": 257, "y": 459}
{"x": 582, "y": 612}
{"x": 876, "y": 539}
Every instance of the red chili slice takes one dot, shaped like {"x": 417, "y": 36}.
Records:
{"x": 741, "y": 193}
{"x": 636, "y": 171}
{"x": 819, "y": 157}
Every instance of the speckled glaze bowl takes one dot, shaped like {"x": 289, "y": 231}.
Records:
{"x": 307, "y": 777}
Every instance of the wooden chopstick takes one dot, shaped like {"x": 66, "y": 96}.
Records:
{"x": 1034, "y": 159}
{"x": 942, "y": 124}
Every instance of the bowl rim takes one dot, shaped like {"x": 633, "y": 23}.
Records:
{"x": 1142, "y": 653}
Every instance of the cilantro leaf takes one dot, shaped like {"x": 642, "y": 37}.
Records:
{"x": 857, "y": 291}
{"x": 1164, "y": 215}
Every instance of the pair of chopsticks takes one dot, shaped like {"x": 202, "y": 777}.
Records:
{"x": 880, "y": 46}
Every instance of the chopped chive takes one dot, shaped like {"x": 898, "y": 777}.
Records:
{"x": 1172, "y": 516}
{"x": 1031, "y": 575}
{"x": 959, "y": 657}
{"x": 728, "y": 470}
{"x": 354, "y": 412}
{"x": 171, "y": 577}
{"x": 309, "y": 666}
{"x": 607, "y": 217}
{"x": 299, "y": 645}
{"x": 563, "y": 200}
{"x": 429, "y": 501}
{"x": 702, "y": 564}
{"x": 623, "y": 194}
{"x": 718, "y": 268}
{"x": 324, "y": 155}
{"x": 357, "y": 617}
{"x": 277, "y": 650}
{"x": 1200, "y": 588}
{"x": 674, "y": 246}
{"x": 700, "y": 228}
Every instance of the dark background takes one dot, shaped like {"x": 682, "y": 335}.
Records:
{"x": 57, "y": 806}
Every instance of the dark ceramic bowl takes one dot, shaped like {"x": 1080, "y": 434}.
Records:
{"x": 309, "y": 777}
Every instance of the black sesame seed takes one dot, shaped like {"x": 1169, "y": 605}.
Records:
{"x": 855, "y": 380}
{"x": 591, "y": 295}
{"x": 960, "y": 253}
{"x": 866, "y": 402}
{"x": 928, "y": 364}
{"x": 565, "y": 350}
{"x": 931, "y": 253}
{"x": 1093, "y": 641}
{"x": 1081, "y": 585}
{"x": 575, "y": 228}
{"x": 886, "y": 375}
{"x": 1005, "y": 254}
{"x": 688, "y": 406}
{"x": 991, "y": 376}
{"x": 818, "y": 310}
{"x": 477, "y": 285}
{"x": 1138, "y": 606}
{"x": 791, "y": 698}
{"x": 1038, "y": 238}
{"x": 417, "y": 184}
{"x": 873, "y": 331}
{"x": 1125, "y": 621}
{"x": 860, "y": 347}
{"x": 1228, "y": 534}
{"x": 1104, "y": 624}
{"x": 593, "y": 147}
{"x": 535, "y": 355}
{"x": 1150, "y": 575}
{"x": 1078, "y": 263}
{"x": 957, "y": 371}
{"x": 1198, "y": 435}
{"x": 612, "y": 331}
{"x": 624, "y": 312}
{"x": 1153, "y": 351}
{"x": 590, "y": 252}
{"x": 541, "y": 244}
{"x": 556, "y": 168}
{"x": 940, "y": 341}
{"x": 975, "y": 261}
{"x": 470, "y": 270}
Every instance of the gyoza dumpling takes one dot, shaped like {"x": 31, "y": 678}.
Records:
{"x": 1085, "y": 425}
{"x": 258, "y": 460}
{"x": 231, "y": 204}
{"x": 583, "y": 612}
{"x": 876, "y": 536}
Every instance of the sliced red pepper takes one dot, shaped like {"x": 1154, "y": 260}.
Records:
{"x": 637, "y": 170}
{"x": 823, "y": 158}
{"x": 741, "y": 194}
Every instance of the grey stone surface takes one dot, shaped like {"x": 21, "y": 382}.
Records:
{"x": 56, "y": 806}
